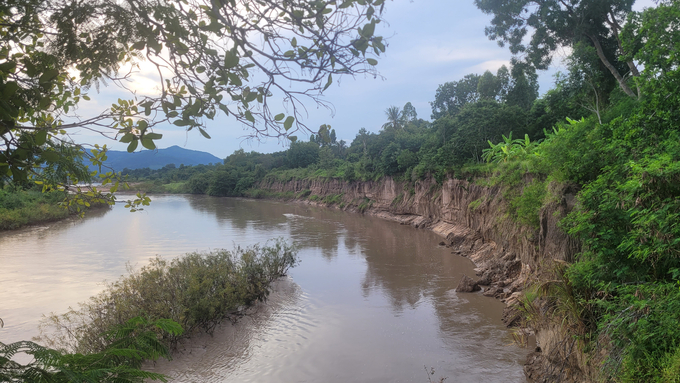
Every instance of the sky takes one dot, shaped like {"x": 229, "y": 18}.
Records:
{"x": 429, "y": 42}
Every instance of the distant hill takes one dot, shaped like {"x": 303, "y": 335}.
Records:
{"x": 156, "y": 159}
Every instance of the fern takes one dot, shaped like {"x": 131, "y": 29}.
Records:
{"x": 129, "y": 345}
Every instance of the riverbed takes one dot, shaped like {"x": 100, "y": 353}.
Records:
{"x": 370, "y": 301}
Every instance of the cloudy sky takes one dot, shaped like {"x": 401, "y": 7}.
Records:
{"x": 430, "y": 42}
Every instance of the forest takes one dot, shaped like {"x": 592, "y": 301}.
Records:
{"x": 609, "y": 128}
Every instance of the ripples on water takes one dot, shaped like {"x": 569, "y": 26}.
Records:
{"x": 371, "y": 301}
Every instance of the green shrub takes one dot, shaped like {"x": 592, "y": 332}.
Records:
{"x": 525, "y": 208}
{"x": 24, "y": 207}
{"x": 199, "y": 183}
{"x": 196, "y": 290}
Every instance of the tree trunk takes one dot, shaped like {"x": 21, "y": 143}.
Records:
{"x": 612, "y": 69}
{"x": 614, "y": 24}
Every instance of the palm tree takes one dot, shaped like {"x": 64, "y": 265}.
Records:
{"x": 395, "y": 118}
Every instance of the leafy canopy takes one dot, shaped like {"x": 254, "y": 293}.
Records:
{"x": 226, "y": 56}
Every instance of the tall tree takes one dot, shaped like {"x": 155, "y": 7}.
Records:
{"x": 558, "y": 23}
{"x": 409, "y": 112}
{"x": 488, "y": 86}
{"x": 450, "y": 97}
{"x": 523, "y": 88}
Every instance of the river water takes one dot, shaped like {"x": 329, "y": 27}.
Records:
{"x": 370, "y": 301}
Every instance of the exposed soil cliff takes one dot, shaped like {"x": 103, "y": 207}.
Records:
{"x": 474, "y": 221}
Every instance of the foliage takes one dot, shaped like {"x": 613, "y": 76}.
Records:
{"x": 509, "y": 149}
{"x": 24, "y": 207}
{"x": 127, "y": 346}
{"x": 642, "y": 321}
{"x": 205, "y": 54}
{"x": 526, "y": 206}
{"x": 651, "y": 37}
{"x": 302, "y": 154}
{"x": 196, "y": 290}
{"x": 452, "y": 96}
{"x": 555, "y": 24}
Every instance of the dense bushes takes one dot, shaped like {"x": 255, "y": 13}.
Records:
{"x": 196, "y": 290}
{"x": 23, "y": 207}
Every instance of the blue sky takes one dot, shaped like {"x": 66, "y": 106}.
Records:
{"x": 430, "y": 42}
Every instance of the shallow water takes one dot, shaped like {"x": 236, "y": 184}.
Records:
{"x": 371, "y": 301}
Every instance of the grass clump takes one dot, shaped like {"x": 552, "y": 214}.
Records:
{"x": 196, "y": 290}
{"x": 364, "y": 205}
{"x": 333, "y": 199}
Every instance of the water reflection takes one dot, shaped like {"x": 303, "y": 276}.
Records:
{"x": 370, "y": 301}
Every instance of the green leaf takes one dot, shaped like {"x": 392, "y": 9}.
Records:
{"x": 50, "y": 156}
{"x": 289, "y": 122}
{"x": 148, "y": 143}
{"x": 41, "y": 137}
{"x": 153, "y": 136}
{"x": 133, "y": 146}
{"x": 230, "y": 59}
{"x": 224, "y": 109}
{"x": 48, "y": 76}
{"x": 138, "y": 46}
{"x": 372, "y": 61}
{"x": 234, "y": 79}
{"x": 182, "y": 122}
{"x": 8, "y": 67}
{"x": 127, "y": 137}
{"x": 369, "y": 29}
{"x": 346, "y": 4}
{"x": 249, "y": 116}
{"x": 251, "y": 96}
{"x": 10, "y": 89}
{"x": 204, "y": 133}
{"x": 45, "y": 102}
{"x": 279, "y": 116}
{"x": 329, "y": 82}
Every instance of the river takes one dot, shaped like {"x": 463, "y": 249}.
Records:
{"x": 370, "y": 301}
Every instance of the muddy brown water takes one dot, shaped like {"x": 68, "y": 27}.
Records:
{"x": 370, "y": 301}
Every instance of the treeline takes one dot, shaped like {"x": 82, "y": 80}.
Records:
{"x": 468, "y": 114}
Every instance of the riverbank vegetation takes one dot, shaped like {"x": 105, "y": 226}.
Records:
{"x": 612, "y": 138}
{"x": 197, "y": 291}
{"x": 21, "y": 207}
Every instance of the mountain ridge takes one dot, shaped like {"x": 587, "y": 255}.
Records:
{"x": 156, "y": 159}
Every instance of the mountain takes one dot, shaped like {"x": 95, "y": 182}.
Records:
{"x": 156, "y": 159}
